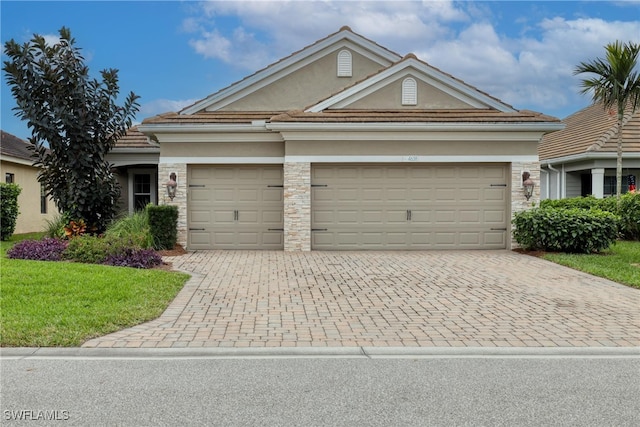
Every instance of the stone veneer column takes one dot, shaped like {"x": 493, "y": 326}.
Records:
{"x": 297, "y": 206}
{"x": 520, "y": 203}
{"x": 180, "y": 200}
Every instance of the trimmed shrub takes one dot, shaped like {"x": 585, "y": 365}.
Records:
{"x": 47, "y": 249}
{"x": 628, "y": 210}
{"x": 134, "y": 227}
{"x": 8, "y": 209}
{"x": 136, "y": 258}
{"x": 163, "y": 222}
{"x": 566, "y": 230}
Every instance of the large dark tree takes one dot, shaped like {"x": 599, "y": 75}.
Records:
{"x": 616, "y": 83}
{"x": 77, "y": 116}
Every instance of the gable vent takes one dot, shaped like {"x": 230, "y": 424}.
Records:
{"x": 409, "y": 91}
{"x": 344, "y": 63}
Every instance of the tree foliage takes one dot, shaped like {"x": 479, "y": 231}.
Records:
{"x": 616, "y": 84}
{"x": 77, "y": 116}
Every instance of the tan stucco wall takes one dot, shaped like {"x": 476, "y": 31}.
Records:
{"x": 29, "y": 219}
{"x": 307, "y": 85}
{"x": 390, "y": 97}
{"x": 222, "y": 149}
{"x": 420, "y": 148}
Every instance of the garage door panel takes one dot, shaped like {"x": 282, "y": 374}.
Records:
{"x": 234, "y": 207}
{"x": 414, "y": 206}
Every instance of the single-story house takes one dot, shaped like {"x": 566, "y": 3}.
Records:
{"x": 580, "y": 160}
{"x": 344, "y": 145}
{"x": 16, "y": 166}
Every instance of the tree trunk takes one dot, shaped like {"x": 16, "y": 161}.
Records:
{"x": 619, "y": 158}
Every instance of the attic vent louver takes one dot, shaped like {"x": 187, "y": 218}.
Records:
{"x": 409, "y": 91}
{"x": 344, "y": 63}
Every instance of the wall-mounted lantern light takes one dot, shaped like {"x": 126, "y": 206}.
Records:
{"x": 527, "y": 184}
{"x": 172, "y": 185}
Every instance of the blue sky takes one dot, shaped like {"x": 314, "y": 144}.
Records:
{"x": 173, "y": 53}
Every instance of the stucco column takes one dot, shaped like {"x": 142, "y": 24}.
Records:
{"x": 597, "y": 183}
{"x": 297, "y": 206}
{"x": 180, "y": 200}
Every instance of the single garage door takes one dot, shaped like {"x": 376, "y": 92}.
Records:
{"x": 442, "y": 206}
{"x": 231, "y": 207}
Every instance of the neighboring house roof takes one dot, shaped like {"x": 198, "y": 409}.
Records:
{"x": 591, "y": 132}
{"x": 12, "y": 146}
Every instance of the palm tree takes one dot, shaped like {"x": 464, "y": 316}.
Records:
{"x": 616, "y": 84}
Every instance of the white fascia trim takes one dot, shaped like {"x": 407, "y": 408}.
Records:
{"x": 588, "y": 156}
{"x": 436, "y": 78}
{"x": 121, "y": 150}
{"x": 223, "y": 160}
{"x": 258, "y": 126}
{"x": 17, "y": 160}
{"x": 410, "y": 159}
{"x": 416, "y": 127}
{"x": 303, "y": 57}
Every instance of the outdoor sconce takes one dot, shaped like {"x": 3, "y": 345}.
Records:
{"x": 527, "y": 184}
{"x": 171, "y": 186}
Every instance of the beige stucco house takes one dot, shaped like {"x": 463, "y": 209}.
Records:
{"x": 580, "y": 160}
{"x": 16, "y": 167}
{"x": 347, "y": 145}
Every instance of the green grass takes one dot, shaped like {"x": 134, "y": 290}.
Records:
{"x": 620, "y": 263}
{"x": 62, "y": 304}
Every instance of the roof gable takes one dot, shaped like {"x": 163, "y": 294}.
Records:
{"x": 343, "y": 39}
{"x": 445, "y": 91}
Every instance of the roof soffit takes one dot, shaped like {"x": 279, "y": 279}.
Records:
{"x": 419, "y": 70}
{"x": 292, "y": 63}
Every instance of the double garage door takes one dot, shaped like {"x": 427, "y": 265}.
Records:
{"x": 353, "y": 207}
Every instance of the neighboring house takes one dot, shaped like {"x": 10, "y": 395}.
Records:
{"x": 348, "y": 145}
{"x": 135, "y": 160}
{"x": 580, "y": 160}
{"x": 16, "y": 167}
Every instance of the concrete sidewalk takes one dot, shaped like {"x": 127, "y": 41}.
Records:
{"x": 386, "y": 299}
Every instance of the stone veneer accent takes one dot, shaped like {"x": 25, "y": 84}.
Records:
{"x": 518, "y": 202}
{"x": 180, "y": 200}
{"x": 297, "y": 206}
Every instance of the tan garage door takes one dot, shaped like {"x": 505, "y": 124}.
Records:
{"x": 232, "y": 207}
{"x": 409, "y": 206}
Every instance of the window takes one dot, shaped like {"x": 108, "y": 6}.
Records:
{"x": 141, "y": 190}
{"x": 9, "y": 178}
{"x": 409, "y": 91}
{"x": 344, "y": 63}
{"x": 43, "y": 199}
{"x": 610, "y": 185}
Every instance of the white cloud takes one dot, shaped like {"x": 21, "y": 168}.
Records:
{"x": 527, "y": 63}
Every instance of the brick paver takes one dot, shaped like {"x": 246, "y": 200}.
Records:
{"x": 453, "y": 298}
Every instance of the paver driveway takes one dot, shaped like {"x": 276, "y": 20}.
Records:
{"x": 457, "y": 298}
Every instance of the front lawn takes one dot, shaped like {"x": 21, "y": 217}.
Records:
{"x": 620, "y": 263}
{"x": 50, "y": 304}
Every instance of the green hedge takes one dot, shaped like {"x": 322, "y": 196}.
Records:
{"x": 163, "y": 222}
{"x": 628, "y": 210}
{"x": 566, "y": 230}
{"x": 8, "y": 209}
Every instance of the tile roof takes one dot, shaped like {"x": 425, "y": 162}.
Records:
{"x": 215, "y": 117}
{"x": 11, "y": 145}
{"x": 428, "y": 116}
{"x": 592, "y": 129}
{"x": 134, "y": 139}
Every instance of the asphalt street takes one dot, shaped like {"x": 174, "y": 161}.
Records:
{"x": 347, "y": 390}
